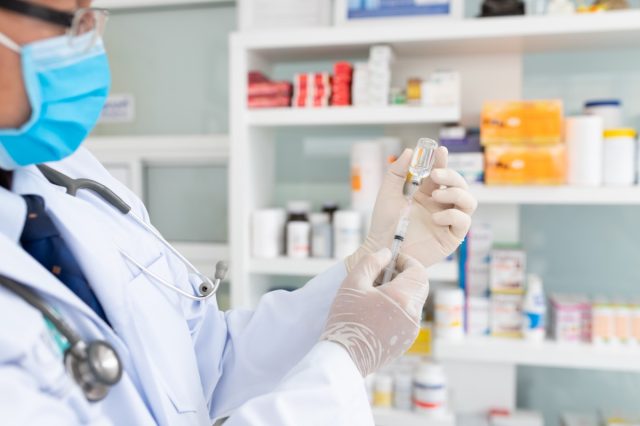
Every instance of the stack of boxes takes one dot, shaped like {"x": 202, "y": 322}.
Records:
{"x": 312, "y": 90}
{"x": 264, "y": 93}
{"x": 475, "y": 258}
{"x": 507, "y": 283}
{"x": 341, "y": 86}
{"x": 523, "y": 142}
{"x": 379, "y": 79}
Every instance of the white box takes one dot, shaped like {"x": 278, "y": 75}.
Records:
{"x": 477, "y": 319}
{"x": 508, "y": 267}
{"x": 469, "y": 164}
{"x": 506, "y": 315}
{"x": 442, "y": 88}
{"x": 267, "y": 14}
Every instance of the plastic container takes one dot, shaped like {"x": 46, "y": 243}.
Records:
{"x": 347, "y": 232}
{"x": 383, "y": 390}
{"x": 403, "y": 391}
{"x": 534, "y": 310}
{"x": 430, "y": 390}
{"x": 619, "y": 157}
{"x": 449, "y": 308}
{"x": 298, "y": 235}
{"x": 367, "y": 165}
{"x": 622, "y": 321}
{"x": 268, "y": 233}
{"x": 321, "y": 235}
{"x": 583, "y": 136}
{"x": 609, "y": 109}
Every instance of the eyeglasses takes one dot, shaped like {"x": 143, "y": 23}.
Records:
{"x": 78, "y": 24}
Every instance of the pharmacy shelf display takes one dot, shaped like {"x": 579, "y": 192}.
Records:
{"x": 543, "y": 354}
{"x": 460, "y": 45}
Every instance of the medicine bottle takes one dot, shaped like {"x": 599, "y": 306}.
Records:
{"x": 268, "y": 233}
{"x": 430, "y": 390}
{"x": 347, "y": 232}
{"x": 619, "y": 157}
{"x": 321, "y": 235}
{"x": 298, "y": 229}
{"x": 330, "y": 207}
{"x": 449, "y": 303}
{"x": 383, "y": 390}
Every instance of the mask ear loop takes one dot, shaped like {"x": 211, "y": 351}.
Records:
{"x": 7, "y": 42}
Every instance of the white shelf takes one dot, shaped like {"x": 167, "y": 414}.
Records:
{"x": 545, "y": 354}
{"x": 352, "y": 116}
{"x": 392, "y": 417}
{"x": 135, "y": 4}
{"x": 445, "y": 271}
{"x": 515, "y": 34}
{"x": 565, "y": 195}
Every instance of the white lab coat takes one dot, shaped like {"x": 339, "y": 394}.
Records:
{"x": 185, "y": 363}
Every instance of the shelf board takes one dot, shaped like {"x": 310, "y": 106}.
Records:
{"x": 544, "y": 354}
{"x": 270, "y": 117}
{"x": 560, "y": 195}
{"x": 445, "y": 271}
{"x": 516, "y": 34}
{"x": 393, "y": 417}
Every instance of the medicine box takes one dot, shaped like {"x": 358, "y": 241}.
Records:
{"x": 521, "y": 122}
{"x": 507, "y": 271}
{"x": 525, "y": 165}
{"x": 477, "y": 318}
{"x": 469, "y": 164}
{"x": 506, "y": 315}
{"x": 570, "y": 318}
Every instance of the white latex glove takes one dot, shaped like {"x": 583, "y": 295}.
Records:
{"x": 440, "y": 214}
{"x": 378, "y": 324}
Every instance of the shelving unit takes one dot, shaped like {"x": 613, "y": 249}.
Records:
{"x": 543, "y": 354}
{"x": 392, "y": 115}
{"x": 565, "y": 195}
{"x": 419, "y": 48}
{"x": 392, "y": 417}
{"x": 445, "y": 271}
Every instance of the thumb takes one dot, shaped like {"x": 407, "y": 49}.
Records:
{"x": 397, "y": 172}
{"x": 410, "y": 288}
{"x": 368, "y": 269}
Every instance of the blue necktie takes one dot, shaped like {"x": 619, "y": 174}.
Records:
{"x": 41, "y": 239}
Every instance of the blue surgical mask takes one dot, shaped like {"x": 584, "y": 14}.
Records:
{"x": 67, "y": 86}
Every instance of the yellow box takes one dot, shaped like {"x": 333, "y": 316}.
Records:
{"x": 521, "y": 122}
{"x": 422, "y": 344}
{"x": 525, "y": 165}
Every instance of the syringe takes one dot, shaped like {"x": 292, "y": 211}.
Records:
{"x": 421, "y": 164}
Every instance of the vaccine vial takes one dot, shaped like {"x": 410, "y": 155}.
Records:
{"x": 424, "y": 156}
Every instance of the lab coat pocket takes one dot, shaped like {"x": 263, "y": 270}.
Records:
{"x": 169, "y": 363}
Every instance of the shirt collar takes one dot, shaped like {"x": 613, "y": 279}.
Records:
{"x": 13, "y": 213}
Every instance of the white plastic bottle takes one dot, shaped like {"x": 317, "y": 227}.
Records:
{"x": 534, "y": 310}
{"x": 367, "y": 168}
{"x": 347, "y": 232}
{"x": 430, "y": 390}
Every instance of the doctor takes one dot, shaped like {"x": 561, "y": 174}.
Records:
{"x": 297, "y": 359}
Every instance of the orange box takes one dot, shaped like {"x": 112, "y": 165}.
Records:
{"x": 521, "y": 122}
{"x": 525, "y": 165}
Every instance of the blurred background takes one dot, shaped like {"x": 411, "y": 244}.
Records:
{"x": 258, "y": 131}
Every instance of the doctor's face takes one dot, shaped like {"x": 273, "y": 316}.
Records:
{"x": 14, "y": 104}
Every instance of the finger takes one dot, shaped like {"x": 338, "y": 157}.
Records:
{"x": 397, "y": 172}
{"x": 368, "y": 269}
{"x": 458, "y": 197}
{"x": 449, "y": 178}
{"x": 428, "y": 185}
{"x": 409, "y": 289}
{"x": 405, "y": 262}
{"x": 458, "y": 221}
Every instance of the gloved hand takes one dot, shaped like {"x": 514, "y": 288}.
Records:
{"x": 440, "y": 218}
{"x": 377, "y": 324}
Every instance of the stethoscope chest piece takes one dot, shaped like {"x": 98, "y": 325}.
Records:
{"x": 95, "y": 367}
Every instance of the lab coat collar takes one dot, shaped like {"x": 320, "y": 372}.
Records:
{"x": 13, "y": 213}
{"x": 76, "y": 220}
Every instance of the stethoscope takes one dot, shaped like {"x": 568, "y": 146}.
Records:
{"x": 207, "y": 288}
{"x": 95, "y": 366}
